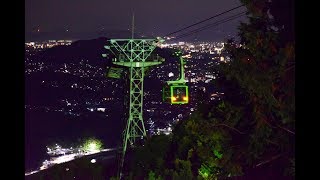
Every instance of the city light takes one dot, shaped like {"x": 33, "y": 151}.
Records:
{"x": 93, "y": 161}
{"x": 196, "y": 72}
{"x": 48, "y": 44}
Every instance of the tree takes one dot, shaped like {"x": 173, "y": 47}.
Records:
{"x": 262, "y": 73}
{"x": 252, "y": 128}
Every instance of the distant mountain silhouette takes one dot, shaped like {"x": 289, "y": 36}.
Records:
{"x": 43, "y": 36}
{"x": 90, "y": 50}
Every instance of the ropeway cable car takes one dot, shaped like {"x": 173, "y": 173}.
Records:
{"x": 176, "y": 92}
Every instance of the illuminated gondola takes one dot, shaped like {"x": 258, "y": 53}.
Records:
{"x": 176, "y": 92}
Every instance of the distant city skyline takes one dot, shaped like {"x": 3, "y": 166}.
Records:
{"x": 45, "y": 36}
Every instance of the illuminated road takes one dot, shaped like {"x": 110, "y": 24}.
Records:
{"x": 67, "y": 158}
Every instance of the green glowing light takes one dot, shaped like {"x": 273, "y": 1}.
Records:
{"x": 204, "y": 171}
{"x": 92, "y": 145}
{"x": 205, "y": 174}
{"x": 216, "y": 153}
{"x": 114, "y": 72}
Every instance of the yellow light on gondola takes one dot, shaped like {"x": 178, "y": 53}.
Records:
{"x": 173, "y": 98}
{"x": 185, "y": 98}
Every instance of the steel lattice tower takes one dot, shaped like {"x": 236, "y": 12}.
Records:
{"x": 134, "y": 54}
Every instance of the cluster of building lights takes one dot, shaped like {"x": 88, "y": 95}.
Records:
{"x": 48, "y": 44}
{"x": 197, "y": 47}
{"x": 192, "y": 50}
{"x": 61, "y": 155}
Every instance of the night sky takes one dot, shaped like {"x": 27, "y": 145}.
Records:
{"x": 156, "y": 17}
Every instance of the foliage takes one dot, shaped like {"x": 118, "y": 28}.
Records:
{"x": 254, "y": 123}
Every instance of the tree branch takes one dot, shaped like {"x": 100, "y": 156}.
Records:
{"x": 273, "y": 158}
{"x": 287, "y": 130}
{"x": 283, "y": 127}
{"x": 230, "y": 128}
